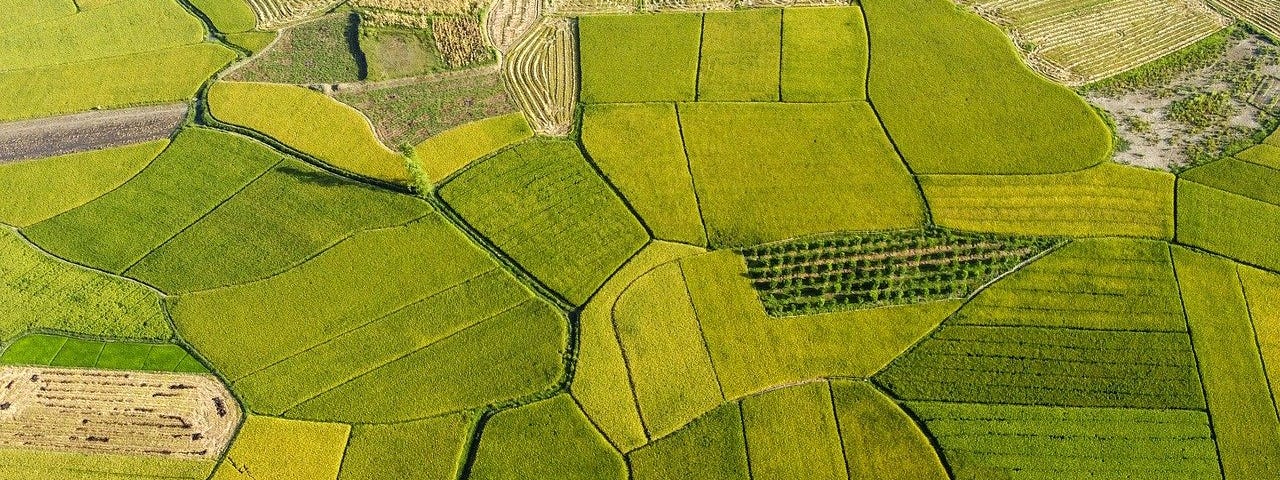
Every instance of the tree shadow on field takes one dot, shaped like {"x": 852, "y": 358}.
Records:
{"x": 320, "y": 178}
{"x": 352, "y": 36}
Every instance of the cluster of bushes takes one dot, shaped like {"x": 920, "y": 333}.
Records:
{"x": 865, "y": 270}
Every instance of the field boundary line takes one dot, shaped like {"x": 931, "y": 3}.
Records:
{"x": 697, "y": 74}
{"x": 835, "y": 415}
{"x": 922, "y": 427}
{"x": 782, "y": 45}
{"x": 592, "y": 421}
{"x": 693, "y": 182}
{"x": 618, "y": 193}
{"x": 702, "y": 334}
{"x": 1253, "y": 325}
{"x": 377, "y": 319}
{"x": 1045, "y": 405}
{"x": 1195, "y": 354}
{"x": 125, "y": 270}
{"x": 866, "y": 89}
{"x": 746, "y": 444}
{"x": 530, "y": 281}
{"x": 406, "y": 355}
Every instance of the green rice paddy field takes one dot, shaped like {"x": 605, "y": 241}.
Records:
{"x": 860, "y": 241}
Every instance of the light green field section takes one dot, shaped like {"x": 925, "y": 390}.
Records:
{"x": 957, "y": 98}
{"x": 118, "y": 229}
{"x": 60, "y": 351}
{"x": 1110, "y": 284}
{"x": 153, "y": 77}
{"x": 1232, "y": 208}
{"x": 548, "y": 439}
{"x": 1265, "y": 155}
{"x": 281, "y": 219}
{"x": 543, "y": 205}
{"x": 1244, "y": 416}
{"x": 740, "y": 55}
{"x": 792, "y": 433}
{"x": 1262, "y": 293}
{"x": 228, "y": 16}
{"x": 712, "y": 447}
{"x": 670, "y": 367}
{"x": 640, "y": 149}
{"x": 601, "y": 382}
{"x": 40, "y": 292}
{"x": 643, "y": 58}
{"x": 880, "y": 440}
{"x": 983, "y": 442}
{"x": 122, "y": 28}
{"x": 39, "y": 189}
{"x": 1107, "y": 200}
{"x": 254, "y": 42}
{"x": 277, "y": 448}
{"x": 310, "y": 122}
{"x": 428, "y": 449}
{"x": 23, "y": 13}
{"x": 427, "y": 324}
{"x": 442, "y": 155}
{"x": 753, "y": 351}
{"x": 16, "y": 464}
{"x": 824, "y": 55}
{"x": 766, "y": 172}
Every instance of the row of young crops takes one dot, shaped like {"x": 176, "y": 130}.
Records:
{"x": 858, "y": 271}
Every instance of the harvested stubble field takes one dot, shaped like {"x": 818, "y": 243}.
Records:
{"x": 460, "y": 41}
{"x": 103, "y": 411}
{"x": 508, "y": 20}
{"x": 541, "y": 72}
{"x": 275, "y": 13}
{"x": 1260, "y": 13}
{"x": 1082, "y": 41}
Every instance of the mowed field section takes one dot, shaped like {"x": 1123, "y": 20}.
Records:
{"x": 1077, "y": 42}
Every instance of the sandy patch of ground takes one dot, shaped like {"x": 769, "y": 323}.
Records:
{"x": 1156, "y": 138}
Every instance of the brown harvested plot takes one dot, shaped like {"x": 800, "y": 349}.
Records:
{"x": 542, "y": 74}
{"x": 577, "y": 7}
{"x": 118, "y": 412}
{"x": 460, "y": 41}
{"x": 47, "y": 137}
{"x": 410, "y": 110}
{"x": 508, "y": 20}
{"x": 688, "y": 5}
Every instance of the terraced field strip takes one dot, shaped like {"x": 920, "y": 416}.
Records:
{"x": 1264, "y": 14}
{"x": 275, "y": 13}
{"x": 106, "y": 411}
{"x": 860, "y": 271}
{"x": 47, "y": 137}
{"x": 542, "y": 75}
{"x": 581, "y": 7}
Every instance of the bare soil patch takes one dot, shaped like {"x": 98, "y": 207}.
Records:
{"x": 46, "y": 137}
{"x": 110, "y": 411}
{"x": 1201, "y": 113}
